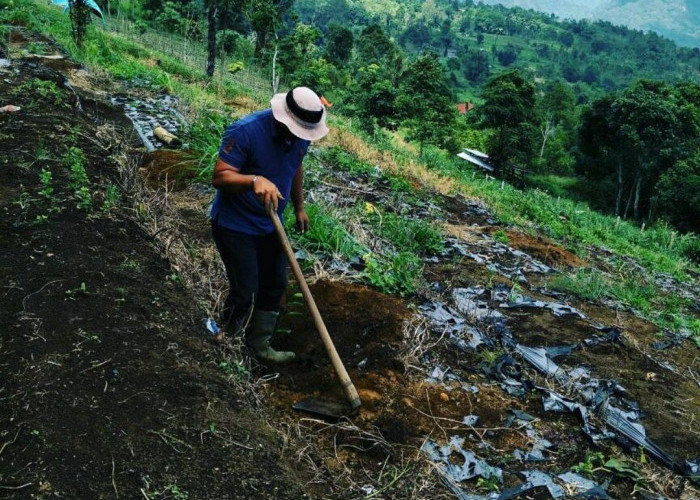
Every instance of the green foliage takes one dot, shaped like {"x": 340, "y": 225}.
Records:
{"x": 590, "y": 464}
{"x": 400, "y": 273}
{"x": 678, "y": 197}
{"x": 350, "y": 163}
{"x": 326, "y": 234}
{"x": 111, "y": 198}
{"x": 501, "y": 236}
{"x": 45, "y": 179}
{"x": 634, "y": 138}
{"x": 203, "y": 138}
{"x": 508, "y": 110}
{"x": 43, "y": 91}
{"x": 74, "y": 159}
{"x": 425, "y": 102}
{"x": 36, "y": 48}
{"x": 339, "y": 44}
{"x": 80, "y": 13}
{"x": 412, "y": 235}
{"x": 233, "y": 368}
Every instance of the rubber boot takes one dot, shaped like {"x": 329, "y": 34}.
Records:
{"x": 260, "y": 336}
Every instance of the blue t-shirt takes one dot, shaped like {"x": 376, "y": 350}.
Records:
{"x": 253, "y": 145}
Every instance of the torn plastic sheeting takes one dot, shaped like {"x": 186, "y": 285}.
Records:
{"x": 518, "y": 415}
{"x": 438, "y": 374}
{"x": 514, "y": 388}
{"x": 470, "y": 420}
{"x": 441, "y": 315}
{"x": 673, "y": 340}
{"x": 211, "y": 326}
{"x": 537, "y": 357}
{"x": 302, "y": 255}
{"x": 557, "y": 308}
{"x": 477, "y": 309}
{"x": 583, "y": 487}
{"x": 505, "y": 368}
{"x": 612, "y": 335}
{"x": 635, "y": 432}
{"x": 470, "y": 338}
{"x": 557, "y": 403}
{"x": 455, "y": 244}
{"x": 534, "y": 479}
{"x": 511, "y": 273}
{"x": 472, "y": 466}
{"x": 558, "y": 351}
{"x": 534, "y": 455}
{"x": 533, "y": 266}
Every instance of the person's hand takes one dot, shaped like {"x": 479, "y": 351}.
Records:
{"x": 302, "y": 224}
{"x": 266, "y": 192}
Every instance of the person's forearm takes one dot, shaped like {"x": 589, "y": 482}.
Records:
{"x": 298, "y": 189}
{"x": 229, "y": 179}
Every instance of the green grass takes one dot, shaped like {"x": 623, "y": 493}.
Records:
{"x": 573, "y": 223}
{"x": 668, "y": 311}
{"x": 560, "y": 186}
{"x": 411, "y": 235}
{"x": 326, "y": 233}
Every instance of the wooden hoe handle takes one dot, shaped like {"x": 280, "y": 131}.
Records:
{"x": 350, "y": 391}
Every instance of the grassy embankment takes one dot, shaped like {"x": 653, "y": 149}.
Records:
{"x": 392, "y": 267}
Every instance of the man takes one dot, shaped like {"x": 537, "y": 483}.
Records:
{"x": 260, "y": 163}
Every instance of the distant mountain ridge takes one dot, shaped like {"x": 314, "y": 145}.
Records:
{"x": 678, "y": 20}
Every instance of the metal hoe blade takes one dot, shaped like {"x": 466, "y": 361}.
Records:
{"x": 325, "y": 408}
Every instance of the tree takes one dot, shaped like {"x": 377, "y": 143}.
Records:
{"x": 639, "y": 134}
{"x": 339, "y": 44}
{"x": 211, "y": 37}
{"x": 508, "y": 109}
{"x": 220, "y": 14}
{"x": 476, "y": 65}
{"x": 424, "y": 101}
{"x": 678, "y": 194}
{"x": 298, "y": 48}
{"x": 556, "y": 120}
{"x": 265, "y": 17}
{"x": 374, "y": 45}
{"x": 79, "y": 20}
{"x": 508, "y": 55}
{"x": 374, "y": 98}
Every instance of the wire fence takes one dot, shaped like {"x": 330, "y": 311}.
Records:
{"x": 193, "y": 53}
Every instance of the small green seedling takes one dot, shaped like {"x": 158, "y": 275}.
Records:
{"x": 82, "y": 290}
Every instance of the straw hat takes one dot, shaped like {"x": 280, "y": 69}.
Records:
{"x": 301, "y": 111}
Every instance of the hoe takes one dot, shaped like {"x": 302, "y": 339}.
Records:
{"x": 324, "y": 408}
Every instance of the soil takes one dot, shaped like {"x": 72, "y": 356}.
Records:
{"x": 111, "y": 387}
{"x": 106, "y": 390}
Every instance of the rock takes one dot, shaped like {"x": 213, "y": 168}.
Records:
{"x": 369, "y": 395}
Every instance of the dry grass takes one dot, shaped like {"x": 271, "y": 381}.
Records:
{"x": 351, "y": 143}
{"x": 344, "y": 458}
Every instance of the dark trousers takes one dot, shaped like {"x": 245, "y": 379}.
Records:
{"x": 256, "y": 268}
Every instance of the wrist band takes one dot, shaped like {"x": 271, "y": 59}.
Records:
{"x": 252, "y": 182}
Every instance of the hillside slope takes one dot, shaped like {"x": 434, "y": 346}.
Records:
{"x": 476, "y": 375}
{"x": 678, "y": 20}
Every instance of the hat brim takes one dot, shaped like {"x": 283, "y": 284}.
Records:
{"x": 282, "y": 114}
